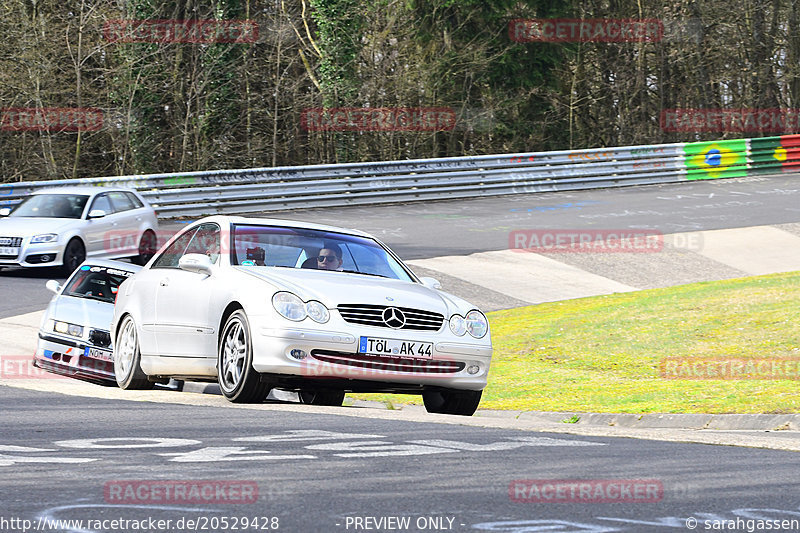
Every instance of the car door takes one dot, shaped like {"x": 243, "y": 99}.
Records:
{"x": 128, "y": 221}
{"x": 145, "y": 215}
{"x": 148, "y": 281}
{"x": 183, "y": 313}
{"x": 99, "y": 232}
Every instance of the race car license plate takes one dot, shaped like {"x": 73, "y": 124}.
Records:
{"x": 97, "y": 353}
{"x": 6, "y": 250}
{"x": 395, "y": 347}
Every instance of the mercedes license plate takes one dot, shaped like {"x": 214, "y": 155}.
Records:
{"x": 395, "y": 348}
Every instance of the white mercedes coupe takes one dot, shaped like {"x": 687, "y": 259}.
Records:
{"x": 257, "y": 304}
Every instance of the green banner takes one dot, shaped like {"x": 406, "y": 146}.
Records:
{"x": 716, "y": 159}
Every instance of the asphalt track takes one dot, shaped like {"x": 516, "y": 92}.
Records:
{"x": 77, "y": 458}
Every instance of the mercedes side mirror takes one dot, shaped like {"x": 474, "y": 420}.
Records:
{"x": 197, "y": 263}
{"x": 431, "y": 283}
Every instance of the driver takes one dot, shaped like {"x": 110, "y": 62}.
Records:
{"x": 330, "y": 257}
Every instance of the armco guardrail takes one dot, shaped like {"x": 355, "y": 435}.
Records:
{"x": 271, "y": 189}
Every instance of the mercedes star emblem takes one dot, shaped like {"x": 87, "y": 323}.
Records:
{"x": 394, "y": 318}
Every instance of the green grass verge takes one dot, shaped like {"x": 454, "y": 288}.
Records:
{"x": 602, "y": 354}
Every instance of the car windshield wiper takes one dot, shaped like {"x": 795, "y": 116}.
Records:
{"x": 364, "y": 273}
{"x": 88, "y": 297}
{"x": 77, "y": 295}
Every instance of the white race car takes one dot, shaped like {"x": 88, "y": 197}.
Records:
{"x": 257, "y": 304}
{"x": 63, "y": 226}
{"x": 74, "y": 337}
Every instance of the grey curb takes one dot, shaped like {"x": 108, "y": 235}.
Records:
{"x": 753, "y": 422}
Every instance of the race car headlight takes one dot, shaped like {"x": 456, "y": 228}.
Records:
{"x": 67, "y": 329}
{"x": 44, "y": 237}
{"x": 457, "y": 325}
{"x": 317, "y": 311}
{"x": 477, "y": 325}
{"x": 289, "y": 306}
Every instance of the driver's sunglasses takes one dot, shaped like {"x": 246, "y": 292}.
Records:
{"x": 323, "y": 258}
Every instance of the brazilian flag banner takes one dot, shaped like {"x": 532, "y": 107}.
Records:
{"x": 715, "y": 159}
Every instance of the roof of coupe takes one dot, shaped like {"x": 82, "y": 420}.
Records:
{"x": 112, "y": 263}
{"x": 224, "y": 219}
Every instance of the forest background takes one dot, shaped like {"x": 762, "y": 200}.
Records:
{"x": 179, "y": 106}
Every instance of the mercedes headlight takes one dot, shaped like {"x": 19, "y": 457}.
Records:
{"x": 289, "y": 306}
{"x": 477, "y": 325}
{"x": 44, "y": 237}
{"x": 458, "y": 325}
{"x": 317, "y": 312}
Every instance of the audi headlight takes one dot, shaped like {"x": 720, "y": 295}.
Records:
{"x": 44, "y": 237}
{"x": 317, "y": 312}
{"x": 477, "y": 325}
{"x": 67, "y": 329}
{"x": 289, "y": 306}
{"x": 457, "y": 325}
